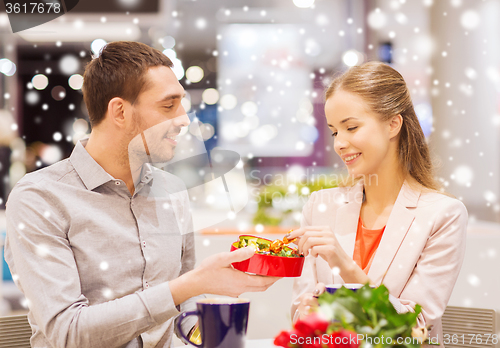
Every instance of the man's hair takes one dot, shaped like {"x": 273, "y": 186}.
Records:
{"x": 119, "y": 71}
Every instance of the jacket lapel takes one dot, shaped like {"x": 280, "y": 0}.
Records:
{"x": 397, "y": 227}
{"x": 346, "y": 220}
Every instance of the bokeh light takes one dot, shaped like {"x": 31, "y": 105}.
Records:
{"x": 228, "y": 101}
{"x": 58, "y": 93}
{"x": 51, "y": 154}
{"x": 7, "y": 67}
{"x": 210, "y": 96}
{"x": 168, "y": 42}
{"x": 186, "y": 104}
{"x": 262, "y": 135}
{"x": 96, "y": 46}
{"x": 352, "y": 58}
{"x": 470, "y": 19}
{"x": 463, "y": 175}
{"x": 249, "y": 108}
{"x": 201, "y": 23}
{"x": 194, "y": 74}
{"x": 80, "y": 126}
{"x": 207, "y": 131}
{"x": 377, "y": 19}
{"x": 75, "y": 81}
{"x": 69, "y": 64}
{"x": 178, "y": 69}
{"x": 32, "y": 97}
{"x": 40, "y": 81}
{"x": 17, "y": 170}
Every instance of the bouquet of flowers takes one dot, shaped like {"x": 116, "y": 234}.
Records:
{"x": 351, "y": 319}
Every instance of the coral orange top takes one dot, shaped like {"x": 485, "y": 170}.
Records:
{"x": 367, "y": 242}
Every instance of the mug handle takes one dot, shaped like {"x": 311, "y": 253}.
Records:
{"x": 185, "y": 339}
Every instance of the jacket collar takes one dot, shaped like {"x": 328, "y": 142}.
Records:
{"x": 407, "y": 197}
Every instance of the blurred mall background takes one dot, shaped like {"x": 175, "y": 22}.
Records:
{"x": 255, "y": 73}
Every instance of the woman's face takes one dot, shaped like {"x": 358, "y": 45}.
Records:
{"x": 360, "y": 138}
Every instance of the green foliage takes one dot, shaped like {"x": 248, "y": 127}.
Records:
{"x": 268, "y": 215}
{"x": 368, "y": 311}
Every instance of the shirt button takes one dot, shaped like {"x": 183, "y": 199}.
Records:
{"x": 144, "y": 244}
{"x": 147, "y": 285}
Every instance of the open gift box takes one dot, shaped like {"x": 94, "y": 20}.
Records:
{"x": 268, "y": 265}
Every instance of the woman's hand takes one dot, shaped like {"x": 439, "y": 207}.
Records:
{"x": 320, "y": 240}
{"x": 309, "y": 301}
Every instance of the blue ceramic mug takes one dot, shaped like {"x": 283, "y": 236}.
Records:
{"x": 223, "y": 322}
{"x": 332, "y": 288}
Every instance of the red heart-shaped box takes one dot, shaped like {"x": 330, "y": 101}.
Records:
{"x": 269, "y": 265}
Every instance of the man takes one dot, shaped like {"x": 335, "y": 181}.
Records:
{"x": 101, "y": 243}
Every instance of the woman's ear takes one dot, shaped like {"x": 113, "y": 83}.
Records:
{"x": 395, "y": 125}
{"x": 116, "y": 112}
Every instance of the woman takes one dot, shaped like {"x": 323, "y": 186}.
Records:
{"x": 390, "y": 223}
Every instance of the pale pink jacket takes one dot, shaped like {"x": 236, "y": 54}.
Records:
{"x": 418, "y": 259}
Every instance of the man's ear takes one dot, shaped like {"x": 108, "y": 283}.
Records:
{"x": 117, "y": 111}
{"x": 395, "y": 124}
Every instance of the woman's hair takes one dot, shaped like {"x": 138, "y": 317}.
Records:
{"x": 386, "y": 93}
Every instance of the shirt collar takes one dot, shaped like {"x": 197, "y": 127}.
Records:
{"x": 91, "y": 173}
{"x": 146, "y": 173}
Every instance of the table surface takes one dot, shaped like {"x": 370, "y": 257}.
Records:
{"x": 266, "y": 343}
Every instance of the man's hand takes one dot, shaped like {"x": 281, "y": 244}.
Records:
{"x": 215, "y": 275}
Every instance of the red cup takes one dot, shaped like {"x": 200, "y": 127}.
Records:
{"x": 269, "y": 265}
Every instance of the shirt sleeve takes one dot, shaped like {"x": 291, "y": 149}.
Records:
{"x": 188, "y": 262}
{"x": 435, "y": 274}
{"x": 41, "y": 259}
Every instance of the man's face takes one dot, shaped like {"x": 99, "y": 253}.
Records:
{"x": 158, "y": 116}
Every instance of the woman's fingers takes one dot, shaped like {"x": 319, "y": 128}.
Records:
{"x": 311, "y": 242}
{"x": 301, "y": 231}
{"x": 311, "y": 234}
{"x": 325, "y": 251}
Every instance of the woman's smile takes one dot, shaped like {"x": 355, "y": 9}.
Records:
{"x": 351, "y": 159}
